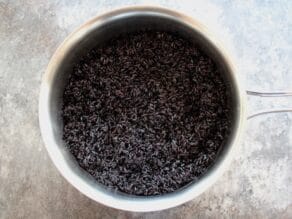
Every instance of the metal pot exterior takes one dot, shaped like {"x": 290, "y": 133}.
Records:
{"x": 79, "y": 42}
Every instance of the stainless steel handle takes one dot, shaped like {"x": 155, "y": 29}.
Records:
{"x": 269, "y": 94}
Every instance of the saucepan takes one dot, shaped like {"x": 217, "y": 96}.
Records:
{"x": 97, "y": 31}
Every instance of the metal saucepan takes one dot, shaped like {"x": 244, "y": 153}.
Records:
{"x": 98, "y": 30}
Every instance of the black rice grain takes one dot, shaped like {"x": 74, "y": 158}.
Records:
{"x": 146, "y": 113}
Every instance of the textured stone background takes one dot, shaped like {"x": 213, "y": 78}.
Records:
{"x": 258, "y": 33}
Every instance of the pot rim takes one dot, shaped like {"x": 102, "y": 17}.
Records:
{"x": 90, "y": 189}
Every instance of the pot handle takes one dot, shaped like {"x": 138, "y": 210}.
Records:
{"x": 269, "y": 94}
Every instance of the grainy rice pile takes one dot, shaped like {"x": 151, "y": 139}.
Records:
{"x": 145, "y": 113}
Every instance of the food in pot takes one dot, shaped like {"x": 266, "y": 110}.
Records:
{"x": 146, "y": 113}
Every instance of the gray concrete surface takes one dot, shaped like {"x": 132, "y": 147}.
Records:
{"x": 258, "y": 34}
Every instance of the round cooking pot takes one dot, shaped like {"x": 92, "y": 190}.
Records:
{"x": 97, "y": 31}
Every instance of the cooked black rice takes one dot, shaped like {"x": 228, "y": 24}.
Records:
{"x": 146, "y": 113}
